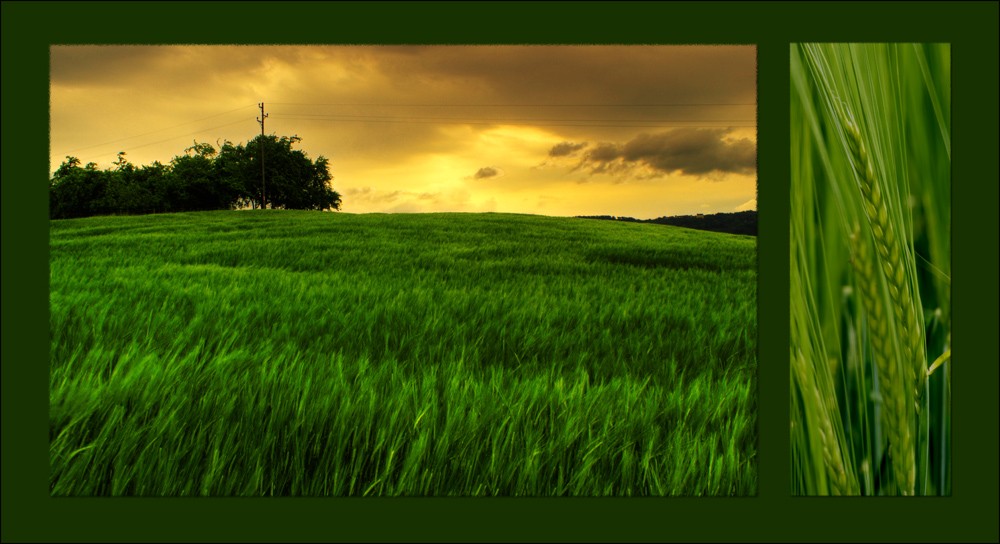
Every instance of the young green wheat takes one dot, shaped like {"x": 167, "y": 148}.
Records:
{"x": 890, "y": 386}
{"x": 841, "y": 482}
{"x": 870, "y": 264}
{"x": 889, "y": 247}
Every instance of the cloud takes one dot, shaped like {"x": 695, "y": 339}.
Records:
{"x": 485, "y": 172}
{"x": 691, "y": 151}
{"x": 489, "y": 172}
{"x": 107, "y": 93}
{"x": 459, "y": 200}
{"x": 605, "y": 152}
{"x": 372, "y": 195}
{"x": 566, "y": 148}
{"x": 544, "y": 200}
{"x": 749, "y": 205}
{"x": 359, "y": 191}
{"x": 629, "y": 74}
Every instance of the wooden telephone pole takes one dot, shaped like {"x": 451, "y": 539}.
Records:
{"x": 263, "y": 185}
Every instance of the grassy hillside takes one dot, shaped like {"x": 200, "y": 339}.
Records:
{"x": 306, "y": 353}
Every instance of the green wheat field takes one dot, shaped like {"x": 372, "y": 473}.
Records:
{"x": 284, "y": 353}
{"x": 870, "y": 269}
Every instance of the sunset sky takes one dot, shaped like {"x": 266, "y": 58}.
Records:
{"x": 640, "y": 131}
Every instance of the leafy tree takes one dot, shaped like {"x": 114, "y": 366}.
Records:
{"x": 128, "y": 189}
{"x": 321, "y": 192}
{"x": 202, "y": 179}
{"x": 291, "y": 181}
{"x": 195, "y": 175}
{"x": 234, "y": 168}
{"x": 77, "y": 192}
{"x": 154, "y": 181}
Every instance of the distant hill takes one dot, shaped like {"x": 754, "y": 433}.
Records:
{"x": 733, "y": 223}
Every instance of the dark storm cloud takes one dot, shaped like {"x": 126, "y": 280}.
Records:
{"x": 522, "y": 78}
{"x": 566, "y": 148}
{"x": 605, "y": 153}
{"x": 103, "y": 66}
{"x": 407, "y": 119}
{"x": 587, "y": 74}
{"x": 690, "y": 151}
{"x": 519, "y": 82}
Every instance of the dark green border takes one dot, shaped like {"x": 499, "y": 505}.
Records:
{"x": 969, "y": 515}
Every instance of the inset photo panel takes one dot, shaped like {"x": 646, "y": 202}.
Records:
{"x": 870, "y": 278}
{"x": 372, "y": 271}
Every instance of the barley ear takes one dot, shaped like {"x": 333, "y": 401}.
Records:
{"x": 890, "y": 384}
{"x": 889, "y": 246}
{"x": 841, "y": 483}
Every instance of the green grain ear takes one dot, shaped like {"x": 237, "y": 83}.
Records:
{"x": 890, "y": 385}
{"x": 869, "y": 206}
{"x": 890, "y": 249}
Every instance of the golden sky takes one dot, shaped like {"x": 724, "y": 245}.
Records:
{"x": 640, "y": 131}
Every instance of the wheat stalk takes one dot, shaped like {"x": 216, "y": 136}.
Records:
{"x": 833, "y": 461}
{"x": 869, "y": 180}
{"x": 890, "y": 385}
{"x": 832, "y": 457}
{"x": 889, "y": 248}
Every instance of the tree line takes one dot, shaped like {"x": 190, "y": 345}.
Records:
{"x": 204, "y": 178}
{"x": 732, "y": 223}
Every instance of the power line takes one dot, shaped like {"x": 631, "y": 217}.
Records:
{"x": 521, "y": 105}
{"x": 174, "y": 138}
{"x": 548, "y": 122}
{"x": 340, "y": 116}
{"x": 502, "y": 123}
{"x": 154, "y": 131}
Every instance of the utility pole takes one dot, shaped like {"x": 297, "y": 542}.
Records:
{"x": 263, "y": 184}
